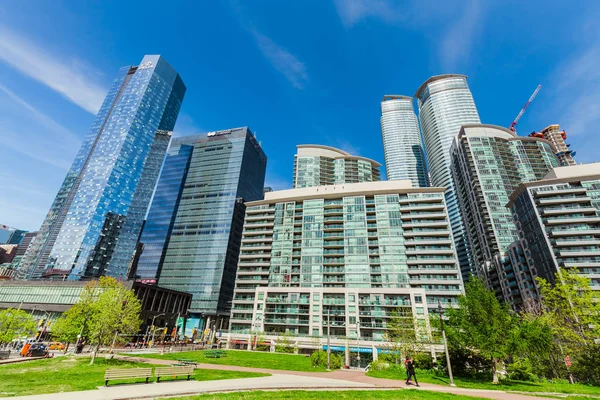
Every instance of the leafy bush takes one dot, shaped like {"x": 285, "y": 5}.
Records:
{"x": 285, "y": 345}
{"x": 390, "y": 358}
{"x": 319, "y": 359}
{"x": 521, "y": 370}
{"x": 468, "y": 364}
{"x": 423, "y": 361}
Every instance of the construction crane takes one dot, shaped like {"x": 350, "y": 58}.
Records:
{"x": 512, "y": 126}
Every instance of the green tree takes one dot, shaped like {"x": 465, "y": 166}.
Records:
{"x": 76, "y": 320}
{"x": 482, "y": 323}
{"x": 401, "y": 333}
{"x": 115, "y": 311}
{"x": 15, "y": 324}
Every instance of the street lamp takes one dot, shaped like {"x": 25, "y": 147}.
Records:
{"x": 440, "y": 311}
{"x": 154, "y": 328}
{"x": 358, "y": 342}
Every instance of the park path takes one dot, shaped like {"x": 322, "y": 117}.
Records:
{"x": 279, "y": 380}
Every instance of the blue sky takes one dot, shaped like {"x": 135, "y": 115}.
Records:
{"x": 311, "y": 71}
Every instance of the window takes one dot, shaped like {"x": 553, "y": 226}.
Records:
{"x": 418, "y": 299}
{"x": 316, "y": 332}
{"x": 261, "y": 296}
{"x": 352, "y": 309}
{"x": 351, "y": 298}
{"x": 316, "y": 297}
{"x": 352, "y": 320}
{"x": 316, "y": 308}
{"x": 420, "y": 311}
{"x": 315, "y": 318}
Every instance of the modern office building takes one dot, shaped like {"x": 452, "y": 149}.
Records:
{"x": 402, "y": 144}
{"x": 558, "y": 221}
{"x": 193, "y": 231}
{"x": 316, "y": 165}
{"x": 554, "y": 135}
{"x": 95, "y": 220}
{"x": 10, "y": 235}
{"x": 445, "y": 104}
{"x": 488, "y": 163}
{"x": 356, "y": 252}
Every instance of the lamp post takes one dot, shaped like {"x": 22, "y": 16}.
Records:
{"x": 328, "y": 339}
{"x": 153, "y": 328}
{"x": 440, "y": 311}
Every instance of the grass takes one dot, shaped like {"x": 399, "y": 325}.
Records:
{"x": 332, "y": 395}
{"x": 67, "y": 374}
{"x": 506, "y": 385}
{"x": 244, "y": 358}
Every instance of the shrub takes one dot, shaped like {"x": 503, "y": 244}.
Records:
{"x": 319, "y": 359}
{"x": 285, "y": 345}
{"x": 520, "y": 370}
{"x": 423, "y": 361}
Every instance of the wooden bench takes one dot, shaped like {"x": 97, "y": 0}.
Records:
{"x": 127, "y": 373}
{"x": 186, "y": 362}
{"x": 215, "y": 353}
{"x": 4, "y": 354}
{"x": 174, "y": 372}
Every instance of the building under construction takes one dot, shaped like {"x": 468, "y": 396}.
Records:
{"x": 554, "y": 135}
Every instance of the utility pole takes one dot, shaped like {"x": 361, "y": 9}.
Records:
{"x": 358, "y": 343}
{"x": 440, "y": 311}
{"x": 328, "y": 340}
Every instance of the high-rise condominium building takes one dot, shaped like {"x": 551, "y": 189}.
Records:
{"x": 95, "y": 220}
{"x": 488, "y": 163}
{"x": 316, "y": 165}
{"x": 402, "y": 144}
{"x": 554, "y": 135}
{"x": 558, "y": 220}
{"x": 10, "y": 235}
{"x": 358, "y": 252}
{"x": 193, "y": 231}
{"x": 445, "y": 104}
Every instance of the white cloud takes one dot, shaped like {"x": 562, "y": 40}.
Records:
{"x": 353, "y": 11}
{"x": 30, "y": 132}
{"x": 459, "y": 37}
{"x": 282, "y": 60}
{"x": 69, "y": 77}
{"x": 186, "y": 126}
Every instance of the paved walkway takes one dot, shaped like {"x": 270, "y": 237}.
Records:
{"x": 279, "y": 380}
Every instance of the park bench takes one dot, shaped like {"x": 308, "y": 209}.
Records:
{"x": 174, "y": 372}
{"x": 127, "y": 373}
{"x": 4, "y": 354}
{"x": 215, "y": 353}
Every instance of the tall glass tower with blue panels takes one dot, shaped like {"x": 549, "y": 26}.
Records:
{"x": 193, "y": 231}
{"x": 95, "y": 220}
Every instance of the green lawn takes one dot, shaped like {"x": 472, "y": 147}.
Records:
{"x": 67, "y": 374}
{"x": 506, "y": 385}
{"x": 244, "y": 358}
{"x": 332, "y": 395}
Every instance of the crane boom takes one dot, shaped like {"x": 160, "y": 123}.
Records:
{"x": 518, "y": 117}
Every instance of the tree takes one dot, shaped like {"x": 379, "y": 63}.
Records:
{"x": 115, "y": 311}
{"x": 15, "y": 324}
{"x": 75, "y": 322}
{"x": 401, "y": 333}
{"x": 481, "y": 323}
{"x": 573, "y": 311}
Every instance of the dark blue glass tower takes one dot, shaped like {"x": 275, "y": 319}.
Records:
{"x": 193, "y": 232}
{"x": 94, "y": 223}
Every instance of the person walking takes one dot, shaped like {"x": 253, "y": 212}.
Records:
{"x": 410, "y": 371}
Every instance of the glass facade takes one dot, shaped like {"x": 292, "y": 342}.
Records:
{"x": 193, "y": 231}
{"x": 445, "y": 104}
{"x": 488, "y": 163}
{"x": 381, "y": 246}
{"x": 402, "y": 144}
{"x": 112, "y": 178}
{"x": 316, "y": 165}
{"x": 558, "y": 221}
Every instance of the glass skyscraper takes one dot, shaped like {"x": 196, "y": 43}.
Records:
{"x": 193, "y": 231}
{"x": 445, "y": 104}
{"x": 488, "y": 163}
{"x": 402, "y": 144}
{"x": 316, "y": 165}
{"x": 95, "y": 220}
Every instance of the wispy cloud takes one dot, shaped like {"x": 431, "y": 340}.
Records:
{"x": 453, "y": 27}
{"x": 68, "y": 76}
{"x": 353, "y": 11}
{"x": 460, "y": 36}
{"x": 186, "y": 126}
{"x": 282, "y": 60}
{"x": 28, "y": 131}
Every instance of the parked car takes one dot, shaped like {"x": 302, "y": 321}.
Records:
{"x": 56, "y": 346}
{"x": 37, "y": 350}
